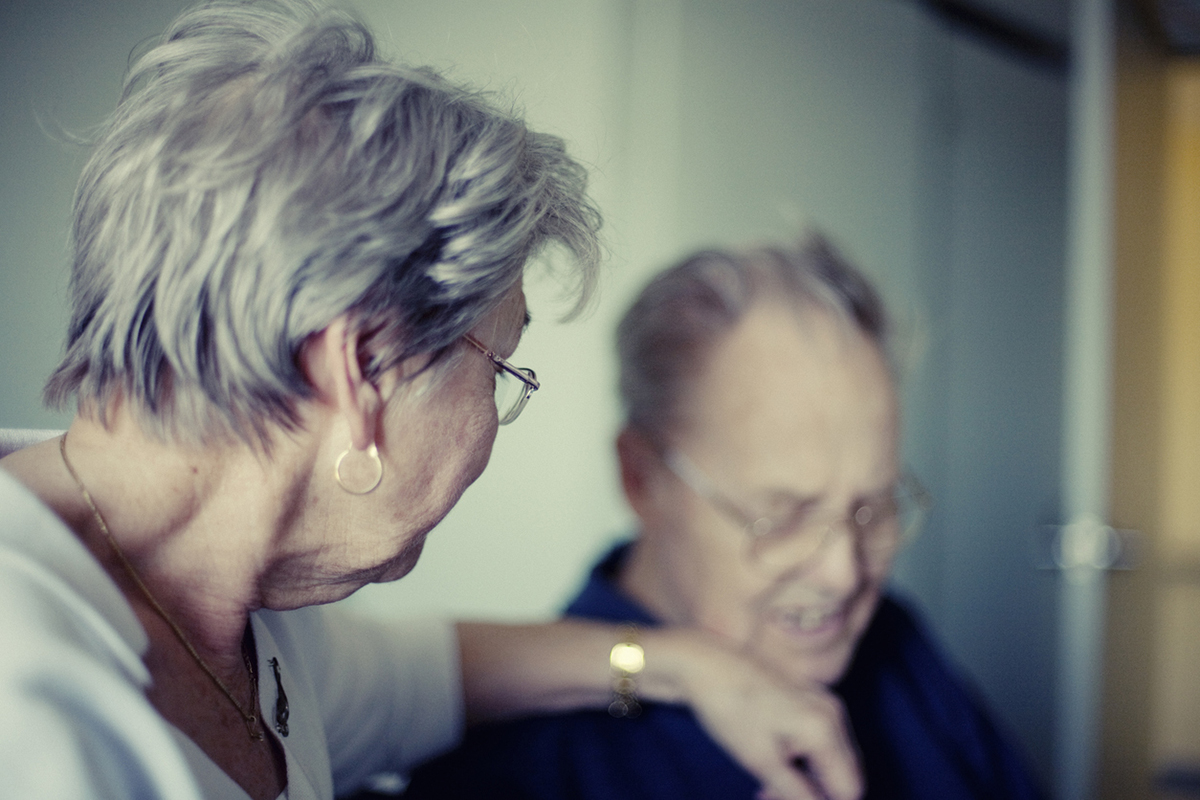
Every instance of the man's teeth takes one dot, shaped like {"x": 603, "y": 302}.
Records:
{"x": 810, "y": 618}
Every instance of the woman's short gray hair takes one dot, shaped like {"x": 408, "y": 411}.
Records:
{"x": 664, "y": 338}
{"x": 265, "y": 172}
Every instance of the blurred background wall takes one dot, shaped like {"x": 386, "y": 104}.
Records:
{"x": 931, "y": 147}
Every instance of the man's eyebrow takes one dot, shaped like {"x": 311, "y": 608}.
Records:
{"x": 793, "y": 499}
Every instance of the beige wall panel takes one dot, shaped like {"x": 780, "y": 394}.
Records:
{"x": 1181, "y": 318}
{"x": 1177, "y": 703}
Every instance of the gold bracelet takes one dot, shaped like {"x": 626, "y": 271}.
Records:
{"x": 626, "y": 660}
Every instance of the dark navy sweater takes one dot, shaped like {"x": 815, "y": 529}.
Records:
{"x": 921, "y": 732}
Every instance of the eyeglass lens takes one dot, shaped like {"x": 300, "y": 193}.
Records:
{"x": 511, "y": 396}
{"x": 879, "y": 527}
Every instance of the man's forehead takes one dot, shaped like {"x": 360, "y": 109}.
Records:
{"x": 775, "y": 350}
{"x": 780, "y": 384}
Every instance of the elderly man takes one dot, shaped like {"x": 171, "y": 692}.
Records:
{"x": 760, "y": 455}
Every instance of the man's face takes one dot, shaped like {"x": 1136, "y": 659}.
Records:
{"x": 788, "y": 416}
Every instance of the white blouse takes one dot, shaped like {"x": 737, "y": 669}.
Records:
{"x": 364, "y": 696}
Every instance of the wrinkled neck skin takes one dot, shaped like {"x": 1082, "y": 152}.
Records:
{"x": 199, "y": 524}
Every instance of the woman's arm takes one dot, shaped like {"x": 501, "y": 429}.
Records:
{"x": 770, "y": 726}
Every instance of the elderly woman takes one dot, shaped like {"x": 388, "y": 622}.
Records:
{"x": 296, "y": 285}
{"x": 761, "y": 457}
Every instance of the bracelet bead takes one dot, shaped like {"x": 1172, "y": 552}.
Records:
{"x": 626, "y": 660}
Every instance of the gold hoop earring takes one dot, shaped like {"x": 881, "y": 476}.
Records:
{"x": 362, "y": 478}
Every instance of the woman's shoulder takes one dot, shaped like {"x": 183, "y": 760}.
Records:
{"x": 72, "y": 680}
{"x": 51, "y": 581}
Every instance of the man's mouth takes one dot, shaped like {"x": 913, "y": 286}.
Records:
{"x": 811, "y": 620}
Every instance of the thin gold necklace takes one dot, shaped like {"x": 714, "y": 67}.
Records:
{"x": 251, "y": 719}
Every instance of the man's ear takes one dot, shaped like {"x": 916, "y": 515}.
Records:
{"x": 641, "y": 470}
{"x": 331, "y": 359}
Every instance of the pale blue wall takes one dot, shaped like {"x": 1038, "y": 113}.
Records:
{"x": 60, "y": 60}
{"x": 985, "y": 405}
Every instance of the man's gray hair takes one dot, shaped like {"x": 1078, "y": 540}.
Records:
{"x": 265, "y": 172}
{"x": 664, "y": 339}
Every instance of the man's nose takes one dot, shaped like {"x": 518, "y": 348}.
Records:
{"x": 838, "y": 566}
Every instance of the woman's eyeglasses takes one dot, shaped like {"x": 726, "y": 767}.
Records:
{"x": 514, "y": 385}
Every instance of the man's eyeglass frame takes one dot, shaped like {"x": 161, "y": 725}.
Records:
{"x": 759, "y": 527}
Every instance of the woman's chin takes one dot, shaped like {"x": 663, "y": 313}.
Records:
{"x": 341, "y": 583}
{"x": 401, "y": 566}
{"x": 397, "y": 566}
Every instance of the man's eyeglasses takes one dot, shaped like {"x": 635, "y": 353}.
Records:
{"x": 880, "y": 524}
{"x": 514, "y": 385}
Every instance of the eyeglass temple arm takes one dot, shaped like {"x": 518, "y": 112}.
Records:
{"x": 699, "y": 483}
{"x": 529, "y": 380}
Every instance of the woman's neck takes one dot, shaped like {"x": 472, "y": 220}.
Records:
{"x": 191, "y": 524}
{"x": 184, "y": 532}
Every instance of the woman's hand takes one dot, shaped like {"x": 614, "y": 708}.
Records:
{"x": 794, "y": 739}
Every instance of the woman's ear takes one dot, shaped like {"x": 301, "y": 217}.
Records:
{"x": 331, "y": 359}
